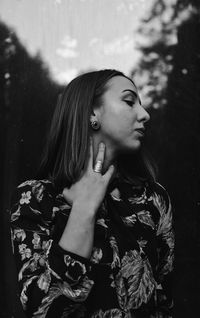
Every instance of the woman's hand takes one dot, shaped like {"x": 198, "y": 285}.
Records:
{"x": 90, "y": 189}
{"x": 85, "y": 196}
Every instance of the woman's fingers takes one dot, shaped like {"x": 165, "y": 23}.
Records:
{"x": 107, "y": 176}
{"x": 99, "y": 157}
{"x": 100, "y": 154}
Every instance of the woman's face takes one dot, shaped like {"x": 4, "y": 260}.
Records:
{"x": 122, "y": 116}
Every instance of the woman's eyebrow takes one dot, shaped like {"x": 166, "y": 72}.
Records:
{"x": 133, "y": 92}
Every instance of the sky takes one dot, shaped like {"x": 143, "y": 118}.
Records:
{"x": 74, "y": 36}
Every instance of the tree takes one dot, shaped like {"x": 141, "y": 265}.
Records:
{"x": 27, "y": 99}
{"x": 168, "y": 75}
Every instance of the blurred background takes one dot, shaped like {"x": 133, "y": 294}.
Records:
{"x": 44, "y": 44}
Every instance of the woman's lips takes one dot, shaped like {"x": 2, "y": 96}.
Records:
{"x": 141, "y": 131}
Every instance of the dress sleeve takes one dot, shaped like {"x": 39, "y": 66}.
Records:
{"x": 165, "y": 250}
{"x": 51, "y": 280}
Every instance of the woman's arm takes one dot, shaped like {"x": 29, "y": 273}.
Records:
{"x": 79, "y": 231}
{"x": 51, "y": 279}
{"x": 54, "y": 277}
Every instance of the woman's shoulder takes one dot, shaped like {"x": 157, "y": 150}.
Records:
{"x": 34, "y": 190}
{"x": 160, "y": 197}
{"x": 159, "y": 189}
{"x": 33, "y": 199}
{"x": 34, "y": 183}
{"x": 146, "y": 184}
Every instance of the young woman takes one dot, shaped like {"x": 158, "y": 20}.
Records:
{"x": 93, "y": 236}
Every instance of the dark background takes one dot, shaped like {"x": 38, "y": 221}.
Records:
{"x": 27, "y": 99}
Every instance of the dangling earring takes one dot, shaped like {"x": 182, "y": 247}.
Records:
{"x": 95, "y": 125}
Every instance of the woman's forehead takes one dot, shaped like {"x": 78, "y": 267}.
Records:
{"x": 121, "y": 83}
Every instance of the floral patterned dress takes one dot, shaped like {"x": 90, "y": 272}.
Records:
{"x": 129, "y": 272}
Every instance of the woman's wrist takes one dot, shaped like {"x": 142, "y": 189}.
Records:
{"x": 78, "y": 233}
{"x": 84, "y": 208}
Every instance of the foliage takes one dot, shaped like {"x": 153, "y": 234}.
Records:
{"x": 158, "y": 38}
{"x": 28, "y": 95}
{"x": 168, "y": 77}
{"x": 27, "y": 99}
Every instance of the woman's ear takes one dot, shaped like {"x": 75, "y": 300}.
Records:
{"x": 94, "y": 122}
{"x": 92, "y": 115}
{"x": 95, "y": 115}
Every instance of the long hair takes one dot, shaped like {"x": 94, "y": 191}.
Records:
{"x": 67, "y": 144}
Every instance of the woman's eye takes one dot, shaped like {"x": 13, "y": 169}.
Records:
{"x": 129, "y": 102}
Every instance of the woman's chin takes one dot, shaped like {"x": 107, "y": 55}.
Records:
{"x": 132, "y": 148}
{"x": 136, "y": 145}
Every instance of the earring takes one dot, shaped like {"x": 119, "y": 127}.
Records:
{"x": 95, "y": 124}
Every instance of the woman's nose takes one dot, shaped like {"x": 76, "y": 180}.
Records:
{"x": 143, "y": 115}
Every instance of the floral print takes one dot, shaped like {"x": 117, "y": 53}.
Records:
{"x": 130, "y": 220}
{"x": 135, "y": 282}
{"x": 128, "y": 274}
{"x": 38, "y": 190}
{"x": 36, "y": 241}
{"x": 19, "y": 235}
{"x": 145, "y": 217}
{"x": 25, "y": 198}
{"x": 139, "y": 195}
{"x": 96, "y": 255}
{"x": 25, "y": 252}
{"x": 116, "y": 258}
{"x": 113, "y": 313}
